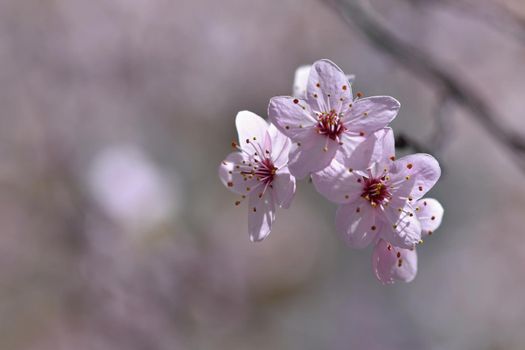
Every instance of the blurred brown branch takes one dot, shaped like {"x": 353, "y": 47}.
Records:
{"x": 357, "y": 14}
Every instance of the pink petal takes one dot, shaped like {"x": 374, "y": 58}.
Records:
{"x": 429, "y": 214}
{"x": 328, "y": 87}
{"x": 337, "y": 183}
{"x": 250, "y": 126}
{"x": 283, "y": 188}
{"x": 421, "y": 170}
{"x": 357, "y": 223}
{"x": 313, "y": 155}
{"x": 376, "y": 148}
{"x": 402, "y": 228}
{"x": 300, "y": 81}
{"x": 292, "y": 117}
{"x": 279, "y": 146}
{"x": 370, "y": 114}
{"x": 231, "y": 177}
{"x": 261, "y": 215}
{"x": 391, "y": 263}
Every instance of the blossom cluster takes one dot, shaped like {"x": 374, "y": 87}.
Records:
{"x": 343, "y": 143}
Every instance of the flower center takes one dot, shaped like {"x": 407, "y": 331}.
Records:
{"x": 265, "y": 172}
{"x": 375, "y": 191}
{"x": 330, "y": 124}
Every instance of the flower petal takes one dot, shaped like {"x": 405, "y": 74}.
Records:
{"x": 312, "y": 156}
{"x": 231, "y": 176}
{"x": 376, "y": 148}
{"x": 261, "y": 215}
{"x": 279, "y": 146}
{"x": 300, "y": 81}
{"x": 357, "y": 222}
{"x": 283, "y": 188}
{"x": 402, "y": 228}
{"x": 421, "y": 170}
{"x": 293, "y": 117}
{"x": 337, "y": 183}
{"x": 370, "y": 114}
{"x": 429, "y": 214}
{"x": 250, "y": 127}
{"x": 328, "y": 87}
{"x": 391, "y": 263}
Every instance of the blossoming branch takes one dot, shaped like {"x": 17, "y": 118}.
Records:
{"x": 345, "y": 145}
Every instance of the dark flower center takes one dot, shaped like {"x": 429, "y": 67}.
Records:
{"x": 265, "y": 172}
{"x": 330, "y": 124}
{"x": 375, "y": 191}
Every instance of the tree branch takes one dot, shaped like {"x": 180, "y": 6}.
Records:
{"x": 355, "y": 13}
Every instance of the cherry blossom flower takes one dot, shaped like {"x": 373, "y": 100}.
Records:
{"x": 328, "y": 121}
{"x": 378, "y": 193}
{"x": 132, "y": 189}
{"x": 391, "y": 263}
{"x": 259, "y": 171}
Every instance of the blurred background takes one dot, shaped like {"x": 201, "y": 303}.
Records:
{"x": 116, "y": 232}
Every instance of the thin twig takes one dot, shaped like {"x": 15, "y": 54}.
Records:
{"x": 426, "y": 67}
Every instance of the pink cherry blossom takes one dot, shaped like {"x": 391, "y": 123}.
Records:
{"x": 328, "y": 121}
{"x": 378, "y": 193}
{"x": 391, "y": 263}
{"x": 259, "y": 171}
